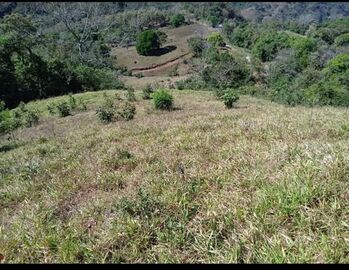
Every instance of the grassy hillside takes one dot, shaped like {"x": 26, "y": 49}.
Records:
{"x": 258, "y": 183}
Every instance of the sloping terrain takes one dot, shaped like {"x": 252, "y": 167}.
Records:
{"x": 129, "y": 58}
{"x": 257, "y": 183}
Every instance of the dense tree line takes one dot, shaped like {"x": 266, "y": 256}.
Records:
{"x": 34, "y": 66}
{"x": 308, "y": 69}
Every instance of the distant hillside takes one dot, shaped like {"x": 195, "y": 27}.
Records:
{"x": 301, "y": 11}
{"x": 256, "y": 11}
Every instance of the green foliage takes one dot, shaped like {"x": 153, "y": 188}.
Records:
{"x": 147, "y": 91}
{"x": 196, "y": 45}
{"x": 21, "y": 116}
{"x": 216, "y": 39}
{"x": 72, "y": 101}
{"x": 291, "y": 85}
{"x": 177, "y": 20}
{"x": 106, "y": 111}
{"x": 229, "y": 97}
{"x": 51, "y": 107}
{"x": 31, "y": 118}
{"x": 303, "y": 47}
{"x": 130, "y": 94}
{"x": 268, "y": 44}
{"x": 326, "y": 34}
{"x": 163, "y": 100}
{"x": 105, "y": 115}
{"x": 147, "y": 42}
{"x": 6, "y": 124}
{"x": 81, "y": 105}
{"x": 212, "y": 55}
{"x": 127, "y": 111}
{"x": 63, "y": 109}
{"x": 342, "y": 40}
{"x": 338, "y": 64}
{"x": 242, "y": 36}
{"x": 327, "y": 93}
{"x": 193, "y": 82}
{"x": 225, "y": 72}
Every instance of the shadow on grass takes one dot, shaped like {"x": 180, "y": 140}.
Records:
{"x": 10, "y": 146}
{"x": 240, "y": 107}
{"x": 163, "y": 50}
{"x": 176, "y": 109}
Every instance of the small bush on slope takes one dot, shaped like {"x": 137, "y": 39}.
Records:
{"x": 130, "y": 94}
{"x": 147, "y": 91}
{"x": 106, "y": 111}
{"x": 229, "y": 97}
{"x": 63, "y": 109}
{"x": 162, "y": 100}
{"x": 127, "y": 111}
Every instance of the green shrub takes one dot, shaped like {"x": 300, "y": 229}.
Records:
{"x": 106, "y": 111}
{"x": 147, "y": 42}
{"x": 130, "y": 94}
{"x": 22, "y": 107}
{"x": 194, "y": 83}
{"x": 72, "y": 101}
{"x": 162, "y": 100}
{"x": 5, "y": 119}
{"x": 226, "y": 72}
{"x": 81, "y": 105}
{"x": 268, "y": 44}
{"x": 31, "y": 118}
{"x": 147, "y": 91}
{"x": 216, "y": 39}
{"x": 177, "y": 20}
{"x": 303, "y": 47}
{"x": 229, "y": 97}
{"x": 196, "y": 45}
{"x": 105, "y": 115}
{"x": 127, "y": 111}
{"x": 338, "y": 64}
{"x": 242, "y": 36}
{"x": 51, "y": 107}
{"x": 342, "y": 40}
{"x": 63, "y": 109}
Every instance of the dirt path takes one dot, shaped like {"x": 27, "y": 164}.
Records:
{"x": 162, "y": 65}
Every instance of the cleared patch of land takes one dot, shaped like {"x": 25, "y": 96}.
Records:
{"x": 129, "y": 58}
{"x": 258, "y": 183}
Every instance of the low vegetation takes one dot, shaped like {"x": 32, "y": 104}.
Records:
{"x": 220, "y": 136}
{"x": 147, "y": 91}
{"x": 162, "y": 99}
{"x": 229, "y": 97}
{"x": 266, "y": 184}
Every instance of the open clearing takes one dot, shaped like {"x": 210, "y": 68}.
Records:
{"x": 129, "y": 58}
{"x": 258, "y": 183}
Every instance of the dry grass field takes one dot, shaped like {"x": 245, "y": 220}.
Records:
{"x": 257, "y": 183}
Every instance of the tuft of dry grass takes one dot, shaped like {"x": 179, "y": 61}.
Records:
{"x": 258, "y": 183}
